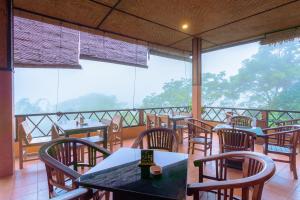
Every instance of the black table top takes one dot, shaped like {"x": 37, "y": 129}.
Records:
{"x": 179, "y": 117}
{"x": 120, "y": 173}
{"x": 257, "y": 130}
{"x": 71, "y": 126}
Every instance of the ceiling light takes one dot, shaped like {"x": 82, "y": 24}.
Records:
{"x": 184, "y": 26}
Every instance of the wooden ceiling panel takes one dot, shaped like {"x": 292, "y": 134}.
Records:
{"x": 187, "y": 45}
{"x": 140, "y": 29}
{"x": 110, "y": 3}
{"x": 79, "y": 11}
{"x": 200, "y": 15}
{"x": 279, "y": 19}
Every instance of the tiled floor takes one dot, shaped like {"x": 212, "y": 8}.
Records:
{"x": 30, "y": 183}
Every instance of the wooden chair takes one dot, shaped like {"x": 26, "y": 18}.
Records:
{"x": 151, "y": 121}
{"x": 231, "y": 139}
{"x": 257, "y": 169}
{"x": 182, "y": 127}
{"x": 199, "y": 133}
{"x": 164, "y": 121}
{"x": 115, "y": 133}
{"x": 241, "y": 121}
{"x": 288, "y": 122}
{"x": 283, "y": 141}
{"x": 157, "y": 138}
{"x": 27, "y": 141}
{"x": 61, "y": 161}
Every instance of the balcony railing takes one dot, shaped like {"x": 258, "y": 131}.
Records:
{"x": 269, "y": 117}
{"x": 40, "y": 124}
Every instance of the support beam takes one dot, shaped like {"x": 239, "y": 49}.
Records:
{"x": 6, "y": 90}
{"x": 197, "y": 80}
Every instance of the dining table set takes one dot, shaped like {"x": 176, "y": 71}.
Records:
{"x": 122, "y": 172}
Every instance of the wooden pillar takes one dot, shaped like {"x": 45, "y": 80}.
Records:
{"x": 6, "y": 90}
{"x": 197, "y": 80}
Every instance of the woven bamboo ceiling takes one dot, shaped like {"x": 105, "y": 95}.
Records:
{"x": 158, "y": 23}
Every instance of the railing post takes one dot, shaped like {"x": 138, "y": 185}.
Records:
{"x": 141, "y": 117}
{"x": 19, "y": 120}
{"x": 265, "y": 118}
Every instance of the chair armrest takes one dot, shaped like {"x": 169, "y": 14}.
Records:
{"x": 276, "y": 133}
{"x": 102, "y": 150}
{"x": 73, "y": 194}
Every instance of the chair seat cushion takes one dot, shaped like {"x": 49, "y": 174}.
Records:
{"x": 200, "y": 140}
{"x": 40, "y": 140}
{"x": 279, "y": 149}
{"x": 94, "y": 139}
{"x": 181, "y": 126}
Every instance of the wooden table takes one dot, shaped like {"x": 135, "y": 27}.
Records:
{"x": 120, "y": 174}
{"x": 70, "y": 127}
{"x": 175, "y": 118}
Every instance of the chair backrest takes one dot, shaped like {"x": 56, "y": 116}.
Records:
{"x": 151, "y": 121}
{"x": 59, "y": 155}
{"x": 117, "y": 123}
{"x": 54, "y": 132}
{"x": 198, "y": 128}
{"x": 25, "y": 133}
{"x": 235, "y": 140}
{"x": 157, "y": 138}
{"x": 164, "y": 121}
{"x": 241, "y": 121}
{"x": 257, "y": 169}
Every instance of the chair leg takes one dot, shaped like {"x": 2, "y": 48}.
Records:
{"x": 107, "y": 194}
{"x": 210, "y": 149}
{"x": 181, "y": 136}
{"x": 121, "y": 140}
{"x": 189, "y": 146}
{"x": 20, "y": 155}
{"x": 293, "y": 163}
{"x": 193, "y": 148}
{"x": 205, "y": 150}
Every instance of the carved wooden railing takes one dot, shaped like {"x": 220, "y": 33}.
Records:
{"x": 41, "y": 123}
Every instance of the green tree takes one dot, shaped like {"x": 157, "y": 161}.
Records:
{"x": 175, "y": 93}
{"x": 266, "y": 76}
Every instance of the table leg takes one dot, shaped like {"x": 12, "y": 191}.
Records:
{"x": 174, "y": 125}
{"x": 105, "y": 138}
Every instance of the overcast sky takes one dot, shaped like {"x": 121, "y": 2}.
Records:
{"x": 118, "y": 80}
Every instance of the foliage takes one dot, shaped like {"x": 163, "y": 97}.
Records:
{"x": 267, "y": 77}
{"x": 175, "y": 93}
{"x": 270, "y": 79}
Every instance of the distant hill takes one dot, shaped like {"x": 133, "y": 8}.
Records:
{"x": 87, "y": 102}
{"x": 91, "y": 102}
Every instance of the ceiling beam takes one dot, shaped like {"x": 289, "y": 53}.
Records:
{"x": 108, "y": 13}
